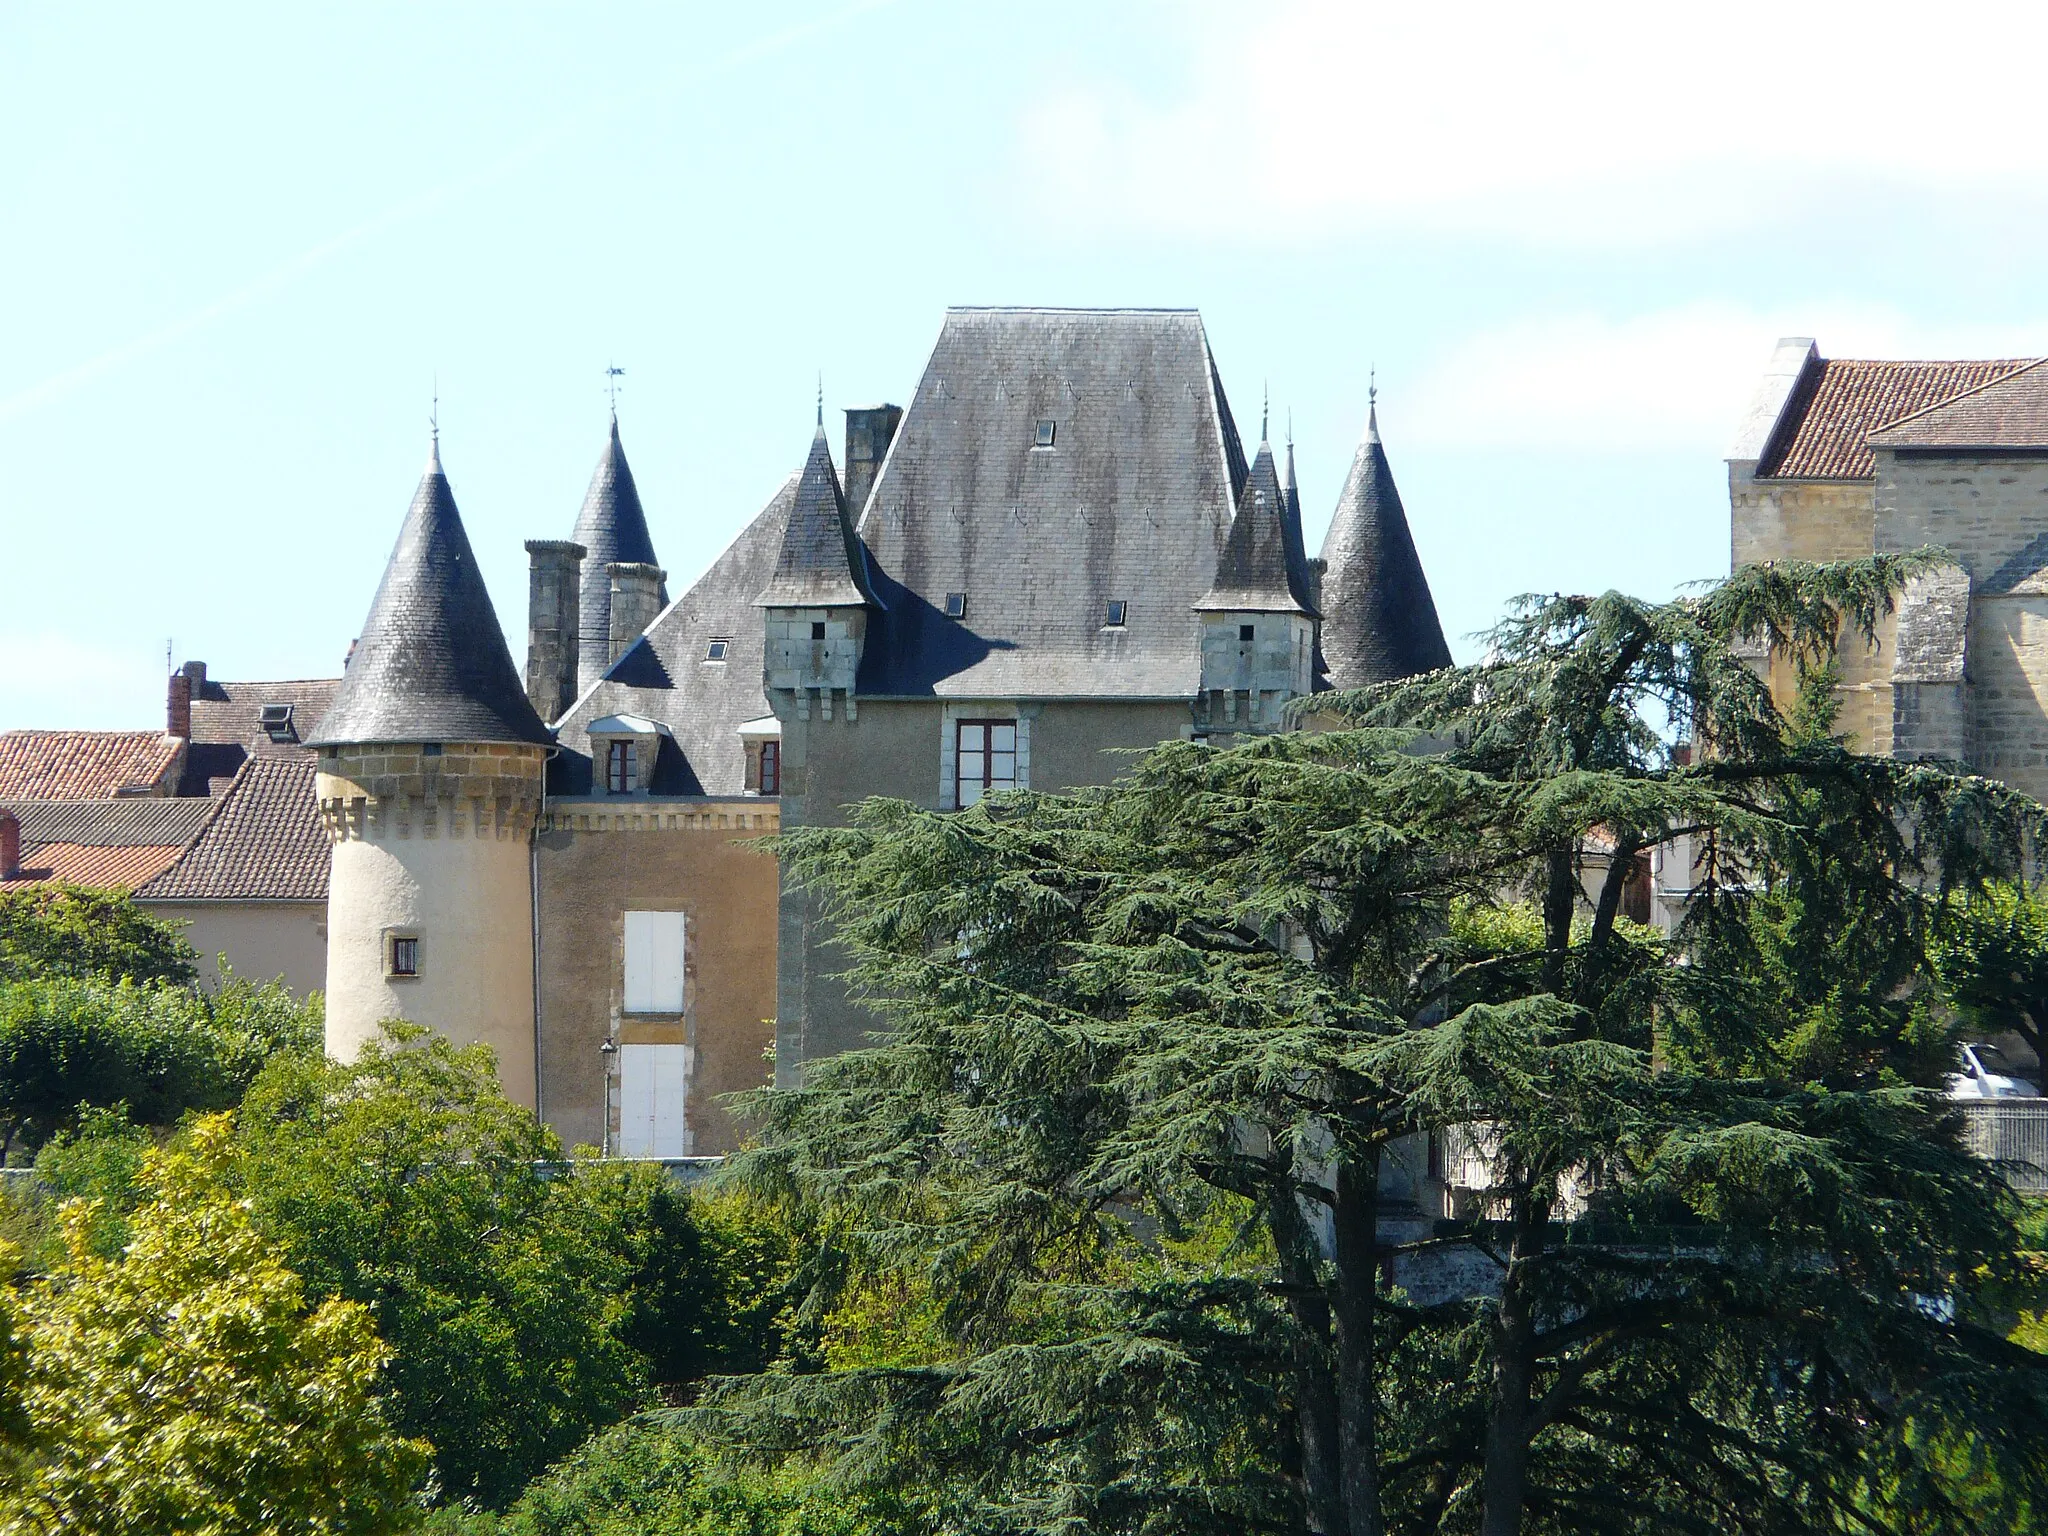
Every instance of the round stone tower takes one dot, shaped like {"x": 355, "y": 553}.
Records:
{"x": 431, "y": 761}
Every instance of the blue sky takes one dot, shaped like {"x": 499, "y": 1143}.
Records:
{"x": 242, "y": 244}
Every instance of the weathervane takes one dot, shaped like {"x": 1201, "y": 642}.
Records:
{"x": 612, "y": 374}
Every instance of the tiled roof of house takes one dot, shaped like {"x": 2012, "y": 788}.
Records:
{"x": 119, "y": 843}
{"x": 266, "y": 843}
{"x": 2006, "y": 413}
{"x": 821, "y": 564}
{"x": 84, "y": 765}
{"x": 1132, "y": 500}
{"x": 227, "y": 727}
{"x": 612, "y": 528}
{"x": 431, "y": 663}
{"x": 1825, "y": 430}
{"x": 1379, "y": 620}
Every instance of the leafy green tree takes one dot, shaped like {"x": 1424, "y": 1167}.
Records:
{"x": 1991, "y": 956}
{"x": 189, "y": 1385}
{"x": 71, "y": 932}
{"x": 1243, "y": 981}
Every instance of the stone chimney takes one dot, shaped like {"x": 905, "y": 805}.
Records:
{"x": 10, "y": 846}
{"x": 636, "y": 599}
{"x": 187, "y": 684}
{"x": 870, "y": 429}
{"x": 554, "y": 601}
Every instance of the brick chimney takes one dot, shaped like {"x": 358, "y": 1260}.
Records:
{"x": 636, "y": 599}
{"x": 870, "y": 429}
{"x": 554, "y": 600}
{"x": 186, "y": 684}
{"x": 10, "y": 846}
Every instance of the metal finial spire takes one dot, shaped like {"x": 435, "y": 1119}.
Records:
{"x": 434, "y": 430}
{"x": 1290, "y": 429}
{"x": 1372, "y": 387}
{"x": 821, "y": 399}
{"x": 1265, "y": 407}
{"x": 612, "y": 374}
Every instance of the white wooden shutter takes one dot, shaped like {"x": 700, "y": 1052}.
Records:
{"x": 654, "y": 1100}
{"x": 654, "y": 962}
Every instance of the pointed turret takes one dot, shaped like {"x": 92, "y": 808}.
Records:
{"x": 1379, "y": 621}
{"x": 822, "y": 564}
{"x": 1263, "y": 567}
{"x": 612, "y": 529}
{"x": 431, "y": 663}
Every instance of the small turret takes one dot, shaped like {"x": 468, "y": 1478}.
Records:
{"x": 429, "y": 787}
{"x": 1379, "y": 620}
{"x": 612, "y": 529}
{"x": 1259, "y": 617}
{"x": 817, "y": 602}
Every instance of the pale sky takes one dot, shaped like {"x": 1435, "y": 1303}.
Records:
{"x": 242, "y": 244}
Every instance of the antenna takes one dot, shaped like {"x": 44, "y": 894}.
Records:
{"x": 168, "y": 642}
{"x": 612, "y": 375}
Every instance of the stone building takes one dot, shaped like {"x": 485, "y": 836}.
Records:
{"x": 1058, "y": 549}
{"x": 1840, "y": 458}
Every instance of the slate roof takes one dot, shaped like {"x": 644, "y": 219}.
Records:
{"x": 102, "y": 842}
{"x": 1379, "y": 620}
{"x": 84, "y": 765}
{"x": 227, "y": 727}
{"x": 1826, "y": 426}
{"x": 431, "y": 663}
{"x": 665, "y": 675}
{"x": 612, "y": 528}
{"x": 265, "y": 844}
{"x": 2010, "y": 412}
{"x": 820, "y": 564}
{"x": 1262, "y": 568}
{"x": 1134, "y": 500}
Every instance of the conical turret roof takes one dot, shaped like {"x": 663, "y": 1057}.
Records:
{"x": 1379, "y": 621}
{"x": 431, "y": 663}
{"x": 822, "y": 564}
{"x": 611, "y": 528}
{"x": 1263, "y": 567}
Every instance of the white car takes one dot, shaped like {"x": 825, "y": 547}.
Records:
{"x": 1987, "y": 1075}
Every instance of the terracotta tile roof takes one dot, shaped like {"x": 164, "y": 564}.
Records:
{"x": 266, "y": 844}
{"x": 84, "y": 765}
{"x": 92, "y": 864}
{"x": 2008, "y": 412}
{"x": 1825, "y": 431}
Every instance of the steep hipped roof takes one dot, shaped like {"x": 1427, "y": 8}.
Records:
{"x": 1133, "y": 500}
{"x": 611, "y": 528}
{"x": 84, "y": 765}
{"x": 820, "y": 564}
{"x": 266, "y": 843}
{"x": 118, "y": 843}
{"x": 1262, "y": 568}
{"x": 1379, "y": 620}
{"x": 2010, "y": 412}
{"x": 668, "y": 677}
{"x": 431, "y": 663}
{"x": 1826, "y": 426}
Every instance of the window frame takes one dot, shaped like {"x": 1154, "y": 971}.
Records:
{"x": 1046, "y": 434}
{"x": 401, "y": 944}
{"x": 987, "y": 783}
{"x": 956, "y": 605}
{"x": 1118, "y": 613}
{"x": 769, "y": 775}
{"x": 655, "y": 935}
{"x": 719, "y": 648}
{"x": 621, "y": 766}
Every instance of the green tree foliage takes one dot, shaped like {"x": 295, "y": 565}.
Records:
{"x": 161, "y": 1050}
{"x": 188, "y": 1384}
{"x": 1992, "y": 958}
{"x": 69, "y": 932}
{"x": 528, "y": 1301}
{"x": 1239, "y": 985}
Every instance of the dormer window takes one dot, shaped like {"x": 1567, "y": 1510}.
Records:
{"x": 718, "y": 650}
{"x": 1048, "y": 429}
{"x": 1119, "y": 610}
{"x": 277, "y": 723}
{"x": 621, "y": 768}
{"x": 956, "y": 605}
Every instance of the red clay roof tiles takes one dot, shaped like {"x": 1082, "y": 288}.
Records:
{"x": 84, "y": 765}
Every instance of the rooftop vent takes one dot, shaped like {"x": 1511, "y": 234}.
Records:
{"x": 956, "y": 605}
{"x": 277, "y": 723}
{"x": 1047, "y": 430}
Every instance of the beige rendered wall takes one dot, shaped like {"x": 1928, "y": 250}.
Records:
{"x": 1821, "y": 520}
{"x": 601, "y": 858}
{"x": 263, "y": 940}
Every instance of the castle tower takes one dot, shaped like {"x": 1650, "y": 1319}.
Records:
{"x": 1379, "y": 621}
{"x": 613, "y": 531}
{"x": 429, "y": 788}
{"x": 1259, "y": 618}
{"x": 817, "y": 601}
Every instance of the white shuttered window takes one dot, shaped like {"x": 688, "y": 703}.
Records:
{"x": 654, "y": 962}
{"x": 654, "y": 1100}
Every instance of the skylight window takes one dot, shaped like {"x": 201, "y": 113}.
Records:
{"x": 956, "y": 605}
{"x": 1119, "y": 610}
{"x": 1048, "y": 429}
{"x": 718, "y": 650}
{"x": 277, "y": 723}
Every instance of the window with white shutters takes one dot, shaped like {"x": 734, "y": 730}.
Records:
{"x": 654, "y": 962}
{"x": 654, "y": 1100}
{"x": 986, "y": 759}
